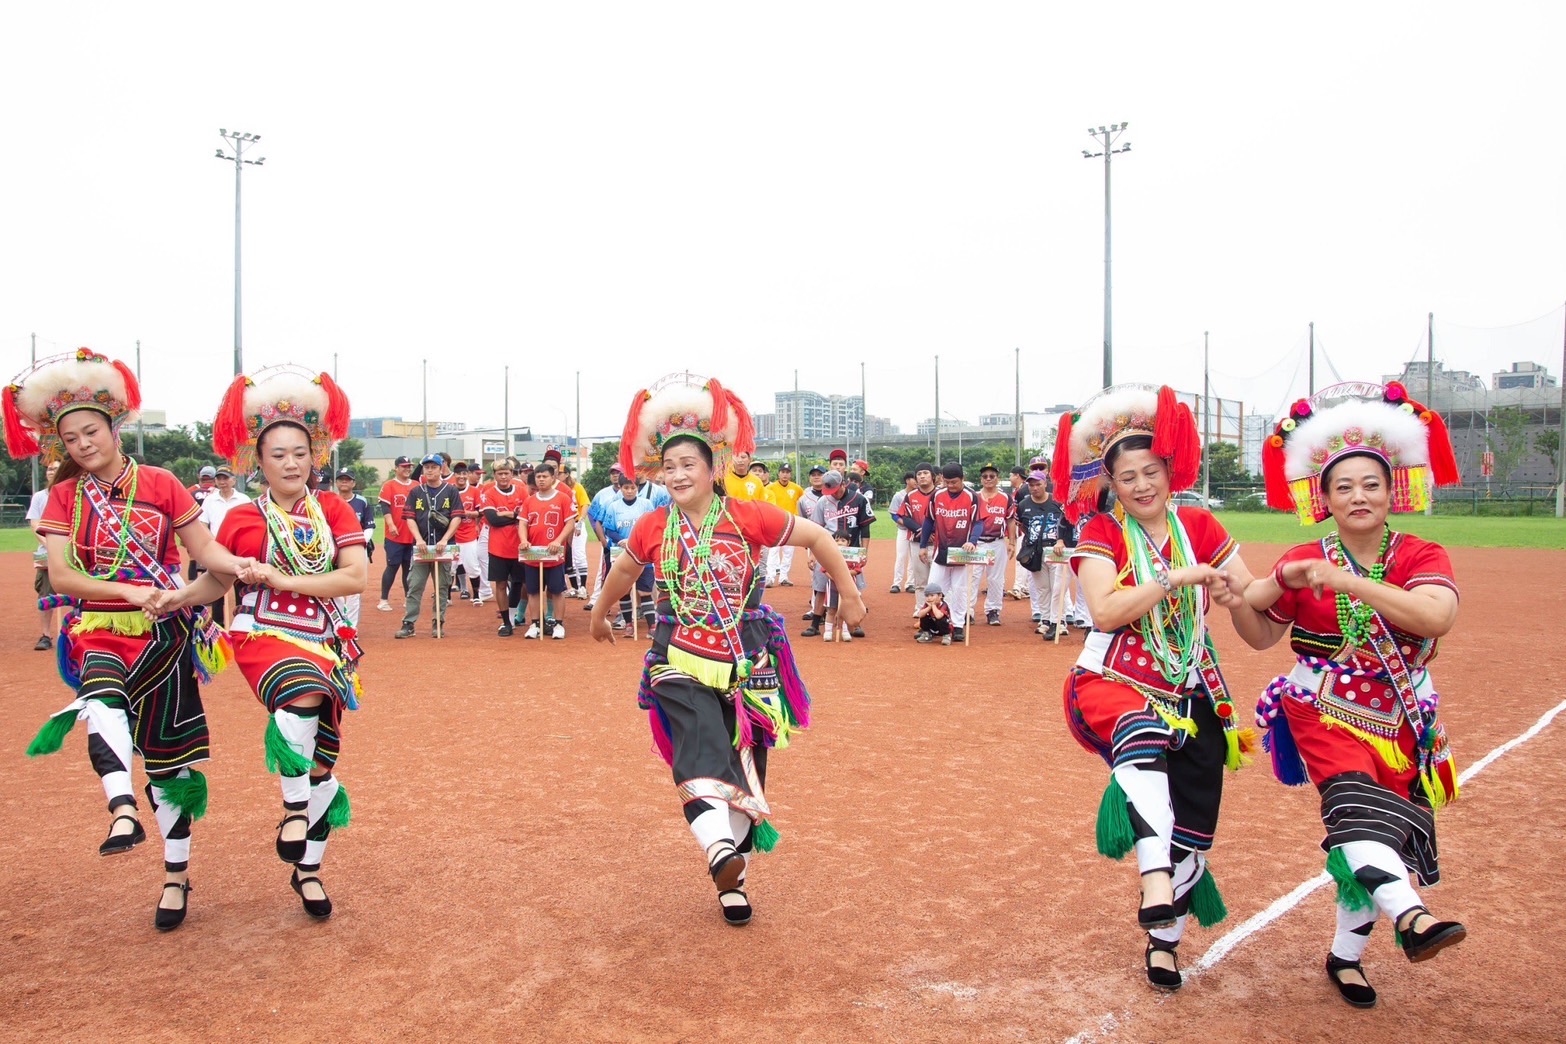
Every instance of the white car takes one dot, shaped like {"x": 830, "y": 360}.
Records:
{"x": 1191, "y": 498}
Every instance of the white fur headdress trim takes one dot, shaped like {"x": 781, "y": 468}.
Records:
{"x": 1356, "y": 426}
{"x": 1114, "y": 414}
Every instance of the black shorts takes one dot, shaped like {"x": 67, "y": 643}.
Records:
{"x": 398, "y": 554}
{"x": 554, "y": 579}
{"x": 505, "y": 570}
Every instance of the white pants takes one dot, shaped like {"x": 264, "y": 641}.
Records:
{"x": 348, "y": 605}
{"x": 994, "y": 575}
{"x": 901, "y": 573}
{"x": 780, "y": 562}
{"x": 1052, "y": 593}
{"x": 579, "y": 550}
{"x": 1079, "y": 608}
{"x": 954, "y": 582}
{"x": 468, "y": 555}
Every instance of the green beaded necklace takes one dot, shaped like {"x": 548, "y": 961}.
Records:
{"x": 1354, "y": 616}
{"x": 1171, "y": 628}
{"x": 670, "y": 555}
{"x": 112, "y": 569}
{"x": 304, "y": 558}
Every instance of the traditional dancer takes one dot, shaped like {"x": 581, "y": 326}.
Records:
{"x": 110, "y": 525}
{"x": 1146, "y": 694}
{"x": 719, "y": 683}
{"x": 1365, "y": 608}
{"x": 293, "y": 645}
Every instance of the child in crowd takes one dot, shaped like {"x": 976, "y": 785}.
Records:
{"x": 934, "y": 616}
{"x": 856, "y": 566}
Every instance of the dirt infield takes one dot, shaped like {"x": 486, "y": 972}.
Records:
{"x": 518, "y": 869}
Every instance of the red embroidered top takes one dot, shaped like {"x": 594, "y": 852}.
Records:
{"x": 244, "y": 534}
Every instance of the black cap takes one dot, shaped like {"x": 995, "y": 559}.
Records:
{"x": 951, "y": 471}
{"x": 400, "y": 461}
{"x": 345, "y": 474}
{"x": 989, "y": 467}
{"x": 817, "y": 469}
{"x": 925, "y": 467}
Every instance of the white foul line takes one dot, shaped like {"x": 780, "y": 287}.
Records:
{"x": 1235, "y": 936}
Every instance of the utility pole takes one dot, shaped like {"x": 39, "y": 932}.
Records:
{"x": 1311, "y": 369}
{"x": 335, "y": 459}
{"x": 937, "y": 414}
{"x": 864, "y": 419}
{"x": 1017, "y": 414}
{"x": 798, "y": 413}
{"x": 141, "y": 442}
{"x": 1430, "y": 392}
{"x": 35, "y": 456}
{"x": 505, "y": 411}
{"x": 1560, "y": 446}
{"x": 424, "y": 367}
{"x": 238, "y": 142}
{"x": 1106, "y": 138}
{"x": 1206, "y": 427}
{"x": 579, "y": 421}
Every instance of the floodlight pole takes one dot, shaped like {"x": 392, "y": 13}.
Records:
{"x": 1106, "y": 138}
{"x": 238, "y": 142}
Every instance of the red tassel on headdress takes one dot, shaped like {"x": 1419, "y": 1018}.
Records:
{"x": 633, "y": 425}
{"x": 1278, "y": 496}
{"x": 745, "y": 429}
{"x": 1443, "y": 462}
{"x": 719, "y": 422}
{"x": 1060, "y": 467}
{"x": 228, "y": 427}
{"x": 132, "y": 386}
{"x": 1175, "y": 439}
{"x": 338, "y": 412}
{"x": 20, "y": 439}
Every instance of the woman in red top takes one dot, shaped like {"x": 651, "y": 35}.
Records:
{"x": 110, "y": 525}
{"x": 1146, "y": 694}
{"x": 1365, "y": 608}
{"x": 291, "y": 641}
{"x": 719, "y": 683}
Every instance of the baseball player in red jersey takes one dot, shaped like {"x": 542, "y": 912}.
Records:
{"x": 916, "y": 510}
{"x": 1000, "y": 536}
{"x": 551, "y": 518}
{"x": 954, "y": 521}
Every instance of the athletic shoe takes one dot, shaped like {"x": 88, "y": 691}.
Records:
{"x": 923, "y": 636}
{"x": 808, "y": 615}
{"x": 992, "y": 617}
{"x": 857, "y": 632}
{"x": 1065, "y": 632}
{"x": 915, "y": 613}
{"x": 516, "y": 617}
{"x": 620, "y": 624}
{"x": 405, "y": 631}
{"x": 946, "y": 639}
{"x": 504, "y": 631}
{"x": 1038, "y": 618}
{"x": 848, "y": 637}
{"x": 478, "y": 601}
{"x": 1016, "y": 592}
{"x": 827, "y": 631}
{"x": 384, "y": 606}
{"x": 959, "y": 634}
{"x": 786, "y": 582}
{"x": 811, "y": 631}
{"x": 559, "y": 631}
{"x": 533, "y": 630}
{"x": 896, "y": 589}
{"x": 43, "y": 643}
{"x": 1048, "y": 630}
{"x": 589, "y": 606}
{"x": 1042, "y": 627}
{"x": 464, "y": 596}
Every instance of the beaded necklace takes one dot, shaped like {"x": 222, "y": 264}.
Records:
{"x": 670, "y": 556}
{"x": 1354, "y": 616}
{"x": 114, "y": 570}
{"x": 305, "y": 556}
{"x": 1172, "y": 628}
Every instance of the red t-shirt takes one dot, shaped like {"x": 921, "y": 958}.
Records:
{"x": 547, "y": 518}
{"x": 243, "y": 532}
{"x": 1411, "y": 562}
{"x": 741, "y": 536}
{"x": 394, "y": 494}
{"x": 996, "y": 512}
{"x": 162, "y": 506}
{"x": 505, "y": 541}
{"x": 916, "y": 505}
{"x": 468, "y": 529}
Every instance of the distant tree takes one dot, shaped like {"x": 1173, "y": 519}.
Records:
{"x": 597, "y": 475}
{"x": 1224, "y": 467}
{"x": 187, "y": 469}
{"x": 1548, "y": 442}
{"x": 1508, "y": 440}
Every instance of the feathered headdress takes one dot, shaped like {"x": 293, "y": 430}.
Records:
{"x": 276, "y": 395}
{"x": 684, "y": 404}
{"x": 35, "y": 401}
{"x": 1087, "y": 435}
{"x": 1356, "y": 419}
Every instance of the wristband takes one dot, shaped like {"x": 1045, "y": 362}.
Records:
{"x": 1162, "y": 576}
{"x": 1277, "y": 577}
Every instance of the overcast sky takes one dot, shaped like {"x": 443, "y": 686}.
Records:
{"x": 629, "y": 189}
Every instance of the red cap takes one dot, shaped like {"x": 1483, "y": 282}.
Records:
{"x": 863, "y": 466}
{"x": 838, "y": 454}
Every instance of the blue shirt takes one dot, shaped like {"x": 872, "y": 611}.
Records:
{"x": 617, "y": 517}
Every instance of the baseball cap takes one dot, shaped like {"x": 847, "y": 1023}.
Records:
{"x": 832, "y": 479}
{"x": 838, "y": 454}
{"x": 817, "y": 469}
{"x": 345, "y": 474}
{"x": 862, "y": 465}
{"x": 989, "y": 467}
{"x": 400, "y": 461}
{"x": 431, "y": 459}
{"x": 223, "y": 470}
{"x": 933, "y": 589}
{"x": 952, "y": 471}
{"x": 1038, "y": 476}
{"x": 208, "y": 472}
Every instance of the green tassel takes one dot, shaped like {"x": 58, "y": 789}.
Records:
{"x": 280, "y": 757}
{"x": 1351, "y": 894}
{"x": 51, "y": 737}
{"x": 1114, "y": 823}
{"x": 186, "y": 793}
{"x": 339, "y": 812}
{"x": 765, "y": 836}
{"x": 1206, "y": 901}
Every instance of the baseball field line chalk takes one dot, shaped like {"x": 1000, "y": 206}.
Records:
{"x": 1283, "y": 904}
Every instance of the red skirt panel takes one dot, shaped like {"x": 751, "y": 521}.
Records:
{"x": 1329, "y": 752}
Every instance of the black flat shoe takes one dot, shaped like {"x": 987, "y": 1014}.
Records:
{"x": 1159, "y": 916}
{"x": 291, "y": 851}
{"x": 726, "y": 865}
{"x": 1357, "y": 995}
{"x": 114, "y": 844}
{"x": 1167, "y": 979}
{"x": 737, "y": 914}
{"x": 1421, "y": 946}
{"x": 320, "y": 909}
{"x": 166, "y": 920}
